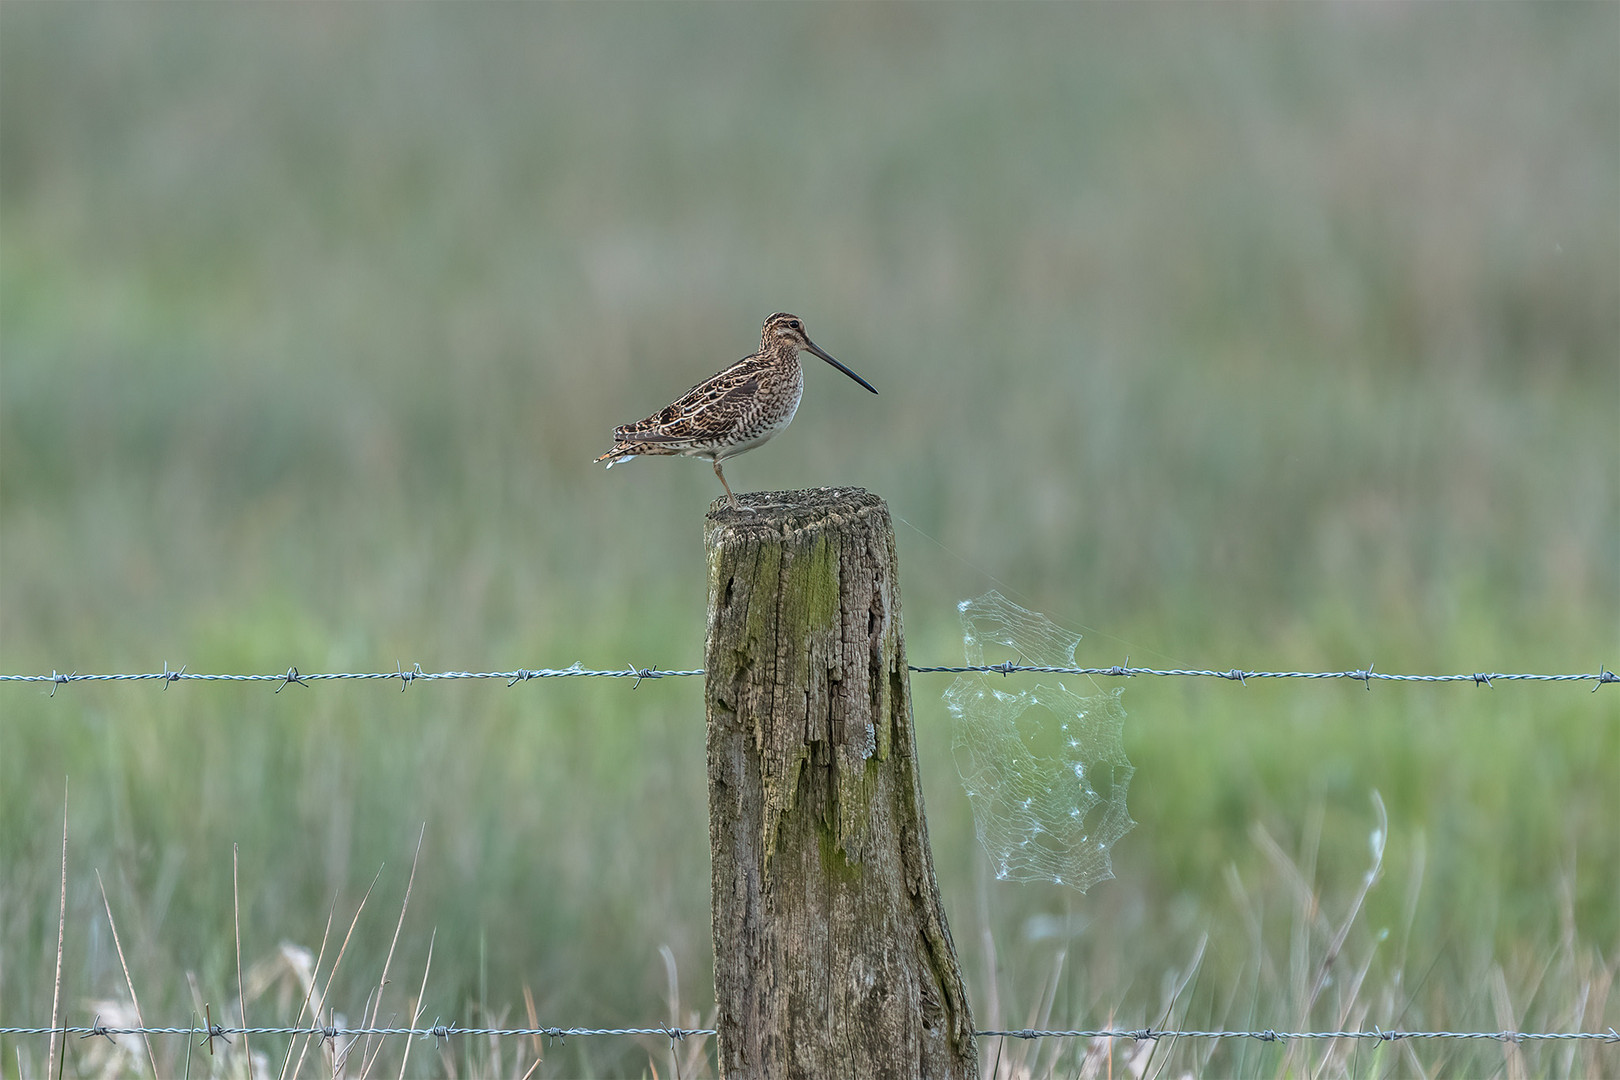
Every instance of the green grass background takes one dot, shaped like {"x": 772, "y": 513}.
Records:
{"x": 1229, "y": 335}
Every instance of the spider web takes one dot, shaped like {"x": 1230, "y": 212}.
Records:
{"x": 1044, "y": 768}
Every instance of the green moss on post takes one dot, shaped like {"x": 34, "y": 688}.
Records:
{"x": 832, "y": 955}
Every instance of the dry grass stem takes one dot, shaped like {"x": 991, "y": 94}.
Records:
{"x": 534, "y": 1022}
{"x": 421, "y": 997}
{"x": 673, "y": 982}
{"x": 1165, "y": 1018}
{"x": 366, "y": 1056}
{"x": 1506, "y": 1020}
{"x": 1379, "y": 836}
{"x": 139, "y": 1020}
{"x": 241, "y": 997}
{"x": 332, "y": 975}
{"x": 61, "y": 924}
{"x": 309, "y": 992}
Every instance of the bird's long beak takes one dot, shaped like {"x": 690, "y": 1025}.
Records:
{"x": 813, "y": 348}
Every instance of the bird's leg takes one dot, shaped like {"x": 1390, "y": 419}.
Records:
{"x": 725, "y": 485}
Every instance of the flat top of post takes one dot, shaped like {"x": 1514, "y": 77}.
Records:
{"x": 789, "y": 511}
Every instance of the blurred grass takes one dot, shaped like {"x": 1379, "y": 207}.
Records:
{"x": 1241, "y": 335}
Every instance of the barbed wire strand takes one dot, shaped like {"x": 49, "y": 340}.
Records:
{"x": 444, "y": 1031}
{"x": 406, "y": 676}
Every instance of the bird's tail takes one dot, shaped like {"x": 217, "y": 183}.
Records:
{"x": 634, "y": 440}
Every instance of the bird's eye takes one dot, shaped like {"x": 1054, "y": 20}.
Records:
{"x": 794, "y": 324}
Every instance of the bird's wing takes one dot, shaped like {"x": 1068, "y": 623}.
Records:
{"x": 709, "y": 408}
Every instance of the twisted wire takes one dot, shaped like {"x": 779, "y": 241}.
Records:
{"x": 406, "y": 676}
{"x": 442, "y": 1031}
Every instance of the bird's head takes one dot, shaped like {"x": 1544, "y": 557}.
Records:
{"x": 784, "y": 329}
{"x": 787, "y": 331}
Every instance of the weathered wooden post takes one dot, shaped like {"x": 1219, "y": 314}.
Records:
{"x": 831, "y": 953}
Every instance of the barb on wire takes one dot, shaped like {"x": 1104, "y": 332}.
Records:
{"x": 446, "y": 1031}
{"x": 96, "y": 1028}
{"x": 215, "y": 1031}
{"x": 406, "y": 676}
{"x": 643, "y": 673}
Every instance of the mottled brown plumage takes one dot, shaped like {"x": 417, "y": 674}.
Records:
{"x": 735, "y": 410}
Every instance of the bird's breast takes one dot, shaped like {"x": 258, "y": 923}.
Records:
{"x": 771, "y": 410}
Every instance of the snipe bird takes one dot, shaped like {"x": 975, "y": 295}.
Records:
{"x": 734, "y": 411}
